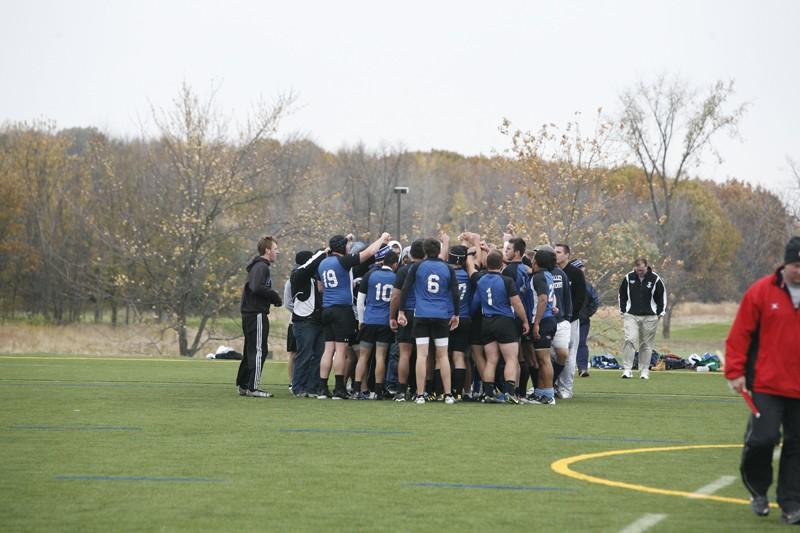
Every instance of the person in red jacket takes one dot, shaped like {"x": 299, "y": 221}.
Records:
{"x": 762, "y": 355}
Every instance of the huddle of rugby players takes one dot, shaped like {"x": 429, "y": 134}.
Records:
{"x": 475, "y": 322}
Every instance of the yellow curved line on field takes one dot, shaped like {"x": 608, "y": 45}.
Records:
{"x": 562, "y": 466}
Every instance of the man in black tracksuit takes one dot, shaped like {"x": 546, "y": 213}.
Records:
{"x": 642, "y": 301}
{"x": 257, "y": 296}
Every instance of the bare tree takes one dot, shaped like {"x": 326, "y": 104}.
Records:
{"x": 668, "y": 128}
{"x": 189, "y": 207}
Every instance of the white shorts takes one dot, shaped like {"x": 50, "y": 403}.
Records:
{"x": 562, "y": 336}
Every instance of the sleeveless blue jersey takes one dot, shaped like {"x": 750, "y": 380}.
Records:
{"x": 432, "y": 279}
{"x": 543, "y": 281}
{"x": 337, "y": 280}
{"x": 493, "y": 290}
{"x": 379, "y": 284}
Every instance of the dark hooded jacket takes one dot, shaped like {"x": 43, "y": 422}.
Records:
{"x": 258, "y": 294}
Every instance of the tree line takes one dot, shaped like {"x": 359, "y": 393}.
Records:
{"x": 158, "y": 228}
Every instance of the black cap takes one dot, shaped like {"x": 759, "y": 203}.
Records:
{"x": 301, "y": 258}
{"x": 792, "y": 254}
{"x": 338, "y": 243}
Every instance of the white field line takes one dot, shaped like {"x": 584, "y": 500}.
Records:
{"x": 714, "y": 486}
{"x": 645, "y": 522}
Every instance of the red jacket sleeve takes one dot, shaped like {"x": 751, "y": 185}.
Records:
{"x": 741, "y": 334}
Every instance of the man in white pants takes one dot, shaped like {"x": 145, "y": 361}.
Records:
{"x": 642, "y": 301}
{"x": 577, "y": 290}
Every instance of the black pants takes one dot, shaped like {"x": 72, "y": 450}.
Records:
{"x": 256, "y": 330}
{"x": 759, "y": 442}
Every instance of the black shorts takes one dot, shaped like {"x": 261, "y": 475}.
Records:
{"x": 433, "y": 328}
{"x": 404, "y": 333}
{"x": 291, "y": 342}
{"x": 460, "y": 337}
{"x": 339, "y": 323}
{"x": 547, "y": 330}
{"x": 476, "y": 334}
{"x": 500, "y": 329}
{"x": 376, "y": 334}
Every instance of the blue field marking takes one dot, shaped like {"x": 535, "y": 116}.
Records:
{"x": 353, "y": 431}
{"x": 139, "y": 478}
{"x": 487, "y": 487}
{"x": 75, "y": 427}
{"x": 621, "y": 439}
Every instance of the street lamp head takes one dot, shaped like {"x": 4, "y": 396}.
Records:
{"x": 401, "y": 190}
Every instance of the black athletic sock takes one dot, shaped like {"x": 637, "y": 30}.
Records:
{"x": 509, "y": 388}
{"x": 404, "y": 387}
{"x": 534, "y": 376}
{"x": 556, "y": 371}
{"x": 356, "y": 387}
{"x": 437, "y": 382}
{"x": 339, "y": 383}
{"x": 524, "y": 374}
{"x": 459, "y": 375}
{"x": 429, "y": 386}
{"x": 488, "y": 388}
{"x": 323, "y": 384}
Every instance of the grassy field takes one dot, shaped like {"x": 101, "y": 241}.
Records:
{"x": 95, "y": 444}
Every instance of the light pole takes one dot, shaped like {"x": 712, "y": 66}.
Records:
{"x": 399, "y": 191}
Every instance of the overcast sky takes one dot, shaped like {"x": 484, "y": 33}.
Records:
{"x": 421, "y": 74}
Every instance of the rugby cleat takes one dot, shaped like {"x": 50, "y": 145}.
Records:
{"x": 323, "y": 394}
{"x": 543, "y": 400}
{"x": 419, "y": 400}
{"x": 790, "y": 517}
{"x": 449, "y": 400}
{"x": 626, "y": 374}
{"x": 242, "y": 391}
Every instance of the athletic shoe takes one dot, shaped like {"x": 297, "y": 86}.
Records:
{"x": 543, "y": 400}
{"x": 301, "y": 395}
{"x": 531, "y": 391}
{"x": 511, "y": 398}
{"x": 242, "y": 391}
{"x": 449, "y": 400}
{"x": 380, "y": 394}
{"x": 563, "y": 394}
{"x": 419, "y": 400}
{"x": 290, "y": 386}
{"x": 340, "y": 395}
{"x": 759, "y": 505}
{"x": 644, "y": 374}
{"x": 258, "y": 393}
{"x": 494, "y": 399}
{"x": 626, "y": 374}
{"x": 400, "y": 397}
{"x": 324, "y": 394}
{"x": 526, "y": 400}
{"x": 791, "y": 517}
{"x": 584, "y": 374}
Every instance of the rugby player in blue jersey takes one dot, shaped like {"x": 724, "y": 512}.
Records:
{"x": 500, "y": 307}
{"x": 435, "y": 288}
{"x": 374, "y": 297}
{"x": 338, "y": 318}
{"x": 544, "y": 327}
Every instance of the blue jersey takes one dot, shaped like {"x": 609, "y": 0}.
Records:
{"x": 495, "y": 292}
{"x": 464, "y": 293}
{"x": 377, "y": 284}
{"x": 563, "y": 298}
{"x": 542, "y": 283}
{"x": 336, "y": 275}
{"x": 518, "y": 272}
{"x": 435, "y": 287}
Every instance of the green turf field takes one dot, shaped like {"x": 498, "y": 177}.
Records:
{"x": 114, "y": 445}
